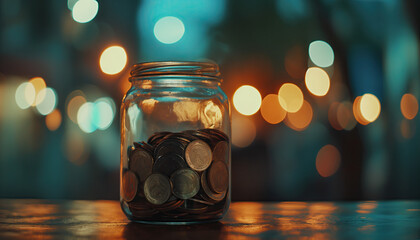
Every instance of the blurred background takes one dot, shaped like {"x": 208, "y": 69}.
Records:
{"x": 324, "y": 93}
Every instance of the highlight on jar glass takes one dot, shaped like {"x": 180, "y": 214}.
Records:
{"x": 175, "y": 144}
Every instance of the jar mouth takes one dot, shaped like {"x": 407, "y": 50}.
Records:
{"x": 207, "y": 70}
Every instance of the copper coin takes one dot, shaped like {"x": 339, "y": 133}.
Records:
{"x": 129, "y": 186}
{"x": 156, "y": 137}
{"x": 216, "y": 197}
{"x": 186, "y": 183}
{"x": 157, "y": 188}
{"x": 141, "y": 162}
{"x": 216, "y": 133}
{"x": 198, "y": 155}
{"x": 218, "y": 177}
{"x": 196, "y": 199}
{"x": 167, "y": 164}
{"x": 221, "y": 152}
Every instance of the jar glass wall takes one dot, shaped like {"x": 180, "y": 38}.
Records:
{"x": 175, "y": 144}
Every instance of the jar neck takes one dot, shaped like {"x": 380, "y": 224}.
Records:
{"x": 175, "y": 74}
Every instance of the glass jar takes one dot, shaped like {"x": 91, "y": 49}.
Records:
{"x": 175, "y": 144}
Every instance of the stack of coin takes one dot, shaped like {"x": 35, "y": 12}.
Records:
{"x": 178, "y": 176}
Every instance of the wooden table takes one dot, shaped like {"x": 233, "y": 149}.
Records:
{"x": 45, "y": 219}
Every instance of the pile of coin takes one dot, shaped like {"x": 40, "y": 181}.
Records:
{"x": 177, "y": 176}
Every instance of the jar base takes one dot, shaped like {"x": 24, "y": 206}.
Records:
{"x": 176, "y": 223}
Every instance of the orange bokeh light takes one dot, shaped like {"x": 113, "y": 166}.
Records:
{"x": 356, "y": 111}
{"x": 271, "y": 110}
{"x": 243, "y": 131}
{"x": 328, "y": 160}
{"x": 73, "y": 106}
{"x": 39, "y": 84}
{"x": 344, "y": 116}
{"x": 409, "y": 106}
{"x": 301, "y": 119}
{"x": 332, "y": 116}
{"x": 53, "y": 120}
{"x": 290, "y": 97}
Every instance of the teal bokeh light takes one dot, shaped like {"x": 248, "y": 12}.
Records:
{"x": 321, "y": 53}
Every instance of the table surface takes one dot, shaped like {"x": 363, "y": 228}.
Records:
{"x": 45, "y": 219}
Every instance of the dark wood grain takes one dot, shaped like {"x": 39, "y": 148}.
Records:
{"x": 46, "y": 219}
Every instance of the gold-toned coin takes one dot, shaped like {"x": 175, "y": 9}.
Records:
{"x": 216, "y": 197}
{"x": 141, "y": 163}
{"x": 186, "y": 183}
{"x": 218, "y": 177}
{"x": 221, "y": 152}
{"x": 129, "y": 186}
{"x": 198, "y": 155}
{"x": 157, "y": 188}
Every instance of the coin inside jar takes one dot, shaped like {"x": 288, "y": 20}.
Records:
{"x": 167, "y": 164}
{"x": 141, "y": 162}
{"x": 157, "y": 189}
{"x": 198, "y": 155}
{"x": 169, "y": 146}
{"x": 129, "y": 186}
{"x": 209, "y": 194}
{"x": 218, "y": 176}
{"x": 186, "y": 183}
{"x": 221, "y": 152}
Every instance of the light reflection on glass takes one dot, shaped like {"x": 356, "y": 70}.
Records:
{"x": 211, "y": 115}
{"x": 184, "y": 110}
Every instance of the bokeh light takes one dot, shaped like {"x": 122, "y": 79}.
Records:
{"x": 332, "y": 116}
{"x": 86, "y": 117}
{"x": 408, "y": 129}
{"x": 290, "y": 97}
{"x": 104, "y": 113}
{"x": 370, "y": 107}
{"x": 247, "y": 100}
{"x": 301, "y": 119}
{"x": 345, "y": 117}
{"x": 85, "y": 10}
{"x": 317, "y": 81}
{"x": 409, "y": 106}
{"x": 271, "y": 110}
{"x": 113, "y": 60}
{"x": 48, "y": 102}
{"x": 321, "y": 53}
{"x": 38, "y": 84}
{"x": 74, "y": 104}
{"x": 328, "y": 160}
{"x": 25, "y": 95}
{"x": 356, "y": 112}
{"x": 169, "y": 30}
{"x": 77, "y": 150}
{"x": 243, "y": 131}
{"x": 53, "y": 120}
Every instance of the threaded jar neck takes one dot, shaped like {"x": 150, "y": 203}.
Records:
{"x": 207, "y": 71}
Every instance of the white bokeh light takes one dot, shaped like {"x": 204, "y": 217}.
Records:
{"x": 85, "y": 10}
{"x": 169, "y": 30}
{"x": 48, "y": 102}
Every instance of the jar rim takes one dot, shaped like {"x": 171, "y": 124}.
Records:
{"x": 208, "y": 70}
